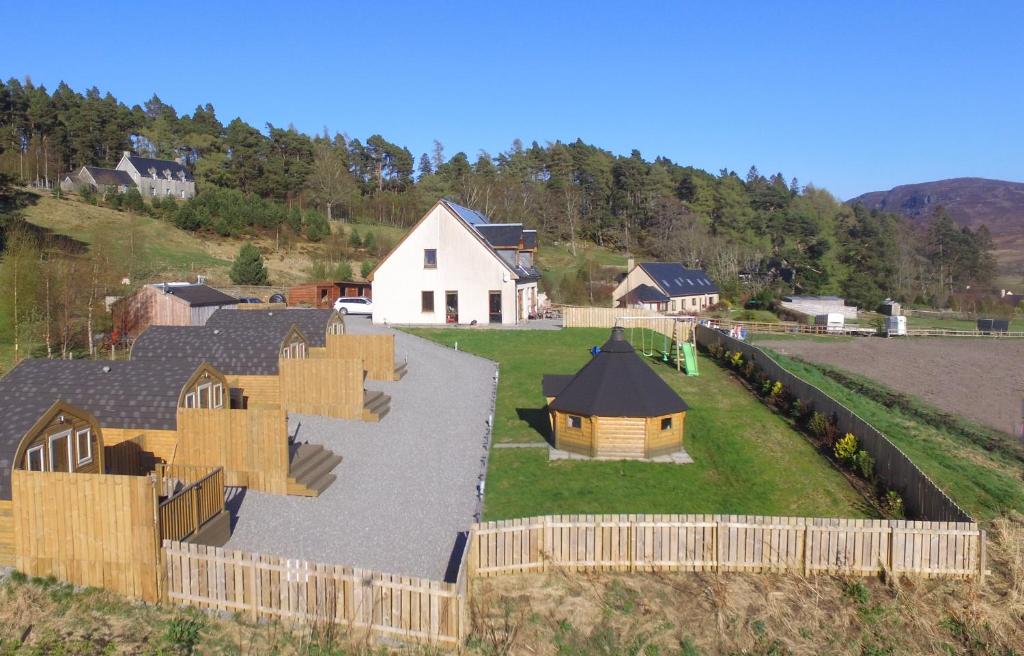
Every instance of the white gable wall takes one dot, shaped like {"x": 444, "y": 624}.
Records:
{"x": 463, "y": 264}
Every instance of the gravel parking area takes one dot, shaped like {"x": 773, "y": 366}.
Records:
{"x": 406, "y": 488}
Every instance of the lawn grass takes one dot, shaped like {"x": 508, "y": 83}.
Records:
{"x": 983, "y": 478}
{"x": 748, "y": 460}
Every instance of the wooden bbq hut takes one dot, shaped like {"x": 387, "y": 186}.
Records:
{"x": 615, "y": 407}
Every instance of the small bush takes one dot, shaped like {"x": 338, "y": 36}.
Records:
{"x": 846, "y": 448}
{"x": 736, "y": 360}
{"x": 892, "y": 505}
{"x": 766, "y": 386}
{"x": 777, "y": 389}
{"x": 354, "y": 240}
{"x": 864, "y": 464}
{"x": 857, "y": 591}
{"x": 183, "y": 634}
{"x": 369, "y": 241}
{"x": 367, "y": 267}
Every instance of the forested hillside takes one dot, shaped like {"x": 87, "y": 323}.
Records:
{"x": 268, "y": 179}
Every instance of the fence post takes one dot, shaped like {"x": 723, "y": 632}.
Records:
{"x": 254, "y": 588}
{"x": 892, "y": 547}
{"x": 807, "y": 549}
{"x": 719, "y": 542}
{"x": 195, "y": 509}
{"x": 982, "y": 555}
{"x": 543, "y": 543}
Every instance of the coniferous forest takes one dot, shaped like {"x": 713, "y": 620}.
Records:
{"x": 765, "y": 229}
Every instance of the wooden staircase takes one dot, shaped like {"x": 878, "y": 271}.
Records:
{"x": 375, "y": 405}
{"x": 401, "y": 370}
{"x": 309, "y": 472}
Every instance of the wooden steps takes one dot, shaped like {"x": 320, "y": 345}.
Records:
{"x": 401, "y": 370}
{"x": 375, "y": 405}
{"x": 309, "y": 472}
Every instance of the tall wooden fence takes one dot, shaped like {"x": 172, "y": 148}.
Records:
{"x": 921, "y": 497}
{"x": 726, "y": 543}
{"x": 251, "y": 445}
{"x": 261, "y": 586}
{"x": 597, "y": 317}
{"x": 327, "y": 387}
{"x": 88, "y": 529}
{"x": 376, "y": 351}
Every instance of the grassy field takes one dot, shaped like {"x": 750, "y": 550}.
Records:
{"x": 976, "y": 467}
{"x": 747, "y": 459}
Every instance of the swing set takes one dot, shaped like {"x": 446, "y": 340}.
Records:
{"x": 681, "y": 347}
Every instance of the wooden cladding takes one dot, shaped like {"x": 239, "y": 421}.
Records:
{"x": 108, "y": 542}
{"x": 258, "y": 390}
{"x": 377, "y": 353}
{"x": 251, "y": 445}
{"x": 269, "y": 587}
{"x": 727, "y": 543}
{"x": 328, "y": 387}
{"x": 618, "y": 437}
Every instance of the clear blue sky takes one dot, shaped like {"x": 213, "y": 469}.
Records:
{"x": 850, "y": 96}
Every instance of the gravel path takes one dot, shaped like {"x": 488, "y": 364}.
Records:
{"x": 406, "y": 488}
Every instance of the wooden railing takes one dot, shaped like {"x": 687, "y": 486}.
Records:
{"x": 185, "y": 511}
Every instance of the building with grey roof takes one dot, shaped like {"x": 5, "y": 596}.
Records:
{"x": 314, "y": 323}
{"x": 234, "y": 351}
{"x": 158, "y": 177}
{"x": 665, "y": 286}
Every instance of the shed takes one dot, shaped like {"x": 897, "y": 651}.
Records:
{"x": 616, "y": 406}
{"x": 323, "y": 294}
{"x": 168, "y": 304}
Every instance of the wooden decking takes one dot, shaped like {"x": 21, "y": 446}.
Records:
{"x": 309, "y": 472}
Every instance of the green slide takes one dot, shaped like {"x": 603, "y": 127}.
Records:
{"x": 690, "y": 360}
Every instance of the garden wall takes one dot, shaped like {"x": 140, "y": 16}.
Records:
{"x": 922, "y": 498}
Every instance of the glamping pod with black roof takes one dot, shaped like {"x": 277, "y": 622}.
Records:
{"x": 615, "y": 407}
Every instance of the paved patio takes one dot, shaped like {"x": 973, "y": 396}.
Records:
{"x": 407, "y": 487}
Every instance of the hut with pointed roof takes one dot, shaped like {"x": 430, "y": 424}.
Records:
{"x": 616, "y": 406}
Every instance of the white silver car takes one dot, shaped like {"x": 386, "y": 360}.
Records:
{"x": 353, "y": 305}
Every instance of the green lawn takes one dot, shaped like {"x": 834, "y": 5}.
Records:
{"x": 974, "y": 465}
{"x": 747, "y": 459}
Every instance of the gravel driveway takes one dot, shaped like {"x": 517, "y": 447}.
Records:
{"x": 406, "y": 488}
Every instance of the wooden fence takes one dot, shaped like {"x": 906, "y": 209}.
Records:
{"x": 251, "y": 445}
{"x": 922, "y": 498}
{"x": 597, "y": 317}
{"x": 376, "y": 351}
{"x": 727, "y": 543}
{"x": 88, "y": 529}
{"x": 6, "y": 533}
{"x": 186, "y": 510}
{"x": 261, "y": 586}
{"x": 327, "y": 387}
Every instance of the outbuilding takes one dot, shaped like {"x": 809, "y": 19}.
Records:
{"x": 168, "y": 304}
{"x": 616, "y": 406}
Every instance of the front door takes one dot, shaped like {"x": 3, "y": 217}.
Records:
{"x": 451, "y": 307}
{"x": 494, "y": 303}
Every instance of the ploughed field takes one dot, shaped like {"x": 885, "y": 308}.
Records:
{"x": 979, "y": 378}
{"x": 747, "y": 460}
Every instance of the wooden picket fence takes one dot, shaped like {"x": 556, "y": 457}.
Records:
{"x": 269, "y": 587}
{"x": 677, "y": 328}
{"x": 727, "y": 543}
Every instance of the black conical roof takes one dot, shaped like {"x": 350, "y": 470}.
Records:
{"x": 618, "y": 383}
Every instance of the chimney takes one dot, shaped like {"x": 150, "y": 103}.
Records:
{"x": 630, "y": 263}
{"x": 1002, "y": 293}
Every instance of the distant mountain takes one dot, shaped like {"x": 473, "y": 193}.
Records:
{"x": 973, "y": 202}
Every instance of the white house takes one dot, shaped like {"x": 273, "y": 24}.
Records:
{"x": 455, "y": 266}
{"x": 666, "y": 287}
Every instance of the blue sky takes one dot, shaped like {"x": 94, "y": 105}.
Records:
{"x": 850, "y": 96}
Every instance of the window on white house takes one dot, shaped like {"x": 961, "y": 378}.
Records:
{"x": 83, "y": 446}
{"x": 693, "y": 302}
{"x": 429, "y": 258}
{"x": 34, "y": 459}
{"x": 575, "y": 422}
{"x": 427, "y": 302}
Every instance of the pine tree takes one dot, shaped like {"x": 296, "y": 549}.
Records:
{"x": 354, "y": 240}
{"x": 316, "y": 226}
{"x": 248, "y": 268}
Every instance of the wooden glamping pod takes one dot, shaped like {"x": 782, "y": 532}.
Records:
{"x": 327, "y": 335}
{"x": 615, "y": 407}
{"x": 271, "y": 364}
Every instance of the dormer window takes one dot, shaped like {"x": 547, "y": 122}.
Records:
{"x": 152, "y": 172}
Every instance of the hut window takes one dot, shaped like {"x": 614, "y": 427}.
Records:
{"x": 34, "y": 459}
{"x": 666, "y": 423}
{"x": 204, "y": 395}
{"x": 427, "y": 301}
{"x": 575, "y": 422}
{"x": 60, "y": 452}
{"x": 190, "y": 400}
{"x": 218, "y": 396}
{"x": 429, "y": 258}
{"x": 286, "y": 353}
{"x": 83, "y": 444}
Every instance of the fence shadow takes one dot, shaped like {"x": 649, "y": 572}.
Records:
{"x": 233, "y": 498}
{"x": 451, "y": 572}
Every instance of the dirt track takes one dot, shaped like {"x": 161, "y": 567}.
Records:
{"x": 982, "y": 379}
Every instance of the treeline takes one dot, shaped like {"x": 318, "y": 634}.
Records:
{"x": 764, "y": 230}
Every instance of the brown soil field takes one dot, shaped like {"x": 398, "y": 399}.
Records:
{"x": 979, "y": 378}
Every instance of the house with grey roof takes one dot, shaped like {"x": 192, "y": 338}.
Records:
{"x": 98, "y": 179}
{"x": 314, "y": 323}
{"x": 665, "y": 287}
{"x": 158, "y": 177}
{"x": 457, "y": 267}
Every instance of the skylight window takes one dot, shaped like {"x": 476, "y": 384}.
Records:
{"x": 689, "y": 282}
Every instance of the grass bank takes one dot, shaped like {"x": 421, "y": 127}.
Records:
{"x": 747, "y": 459}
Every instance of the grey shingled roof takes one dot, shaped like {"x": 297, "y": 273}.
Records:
{"x": 110, "y": 177}
{"x": 645, "y": 294}
{"x": 529, "y": 239}
{"x": 238, "y": 352}
{"x": 676, "y": 280}
{"x": 312, "y": 322}
{"x": 616, "y": 383}
{"x": 198, "y": 295}
{"x": 131, "y": 394}
{"x": 143, "y": 164}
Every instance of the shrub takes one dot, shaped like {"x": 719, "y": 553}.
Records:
{"x": 777, "y": 389}
{"x": 766, "y": 386}
{"x": 369, "y": 241}
{"x": 132, "y": 200}
{"x": 736, "y": 360}
{"x": 316, "y": 226}
{"x": 846, "y": 448}
{"x": 892, "y": 505}
{"x": 864, "y": 465}
{"x": 354, "y": 240}
{"x": 367, "y": 267}
{"x": 183, "y": 634}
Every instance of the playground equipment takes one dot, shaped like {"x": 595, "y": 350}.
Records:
{"x": 679, "y": 339}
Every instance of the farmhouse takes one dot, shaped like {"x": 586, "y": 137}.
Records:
{"x": 271, "y": 367}
{"x": 326, "y": 335}
{"x": 97, "y": 179}
{"x": 168, "y": 304}
{"x": 455, "y": 266}
{"x": 615, "y": 406}
{"x": 158, "y": 177}
{"x": 665, "y": 287}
